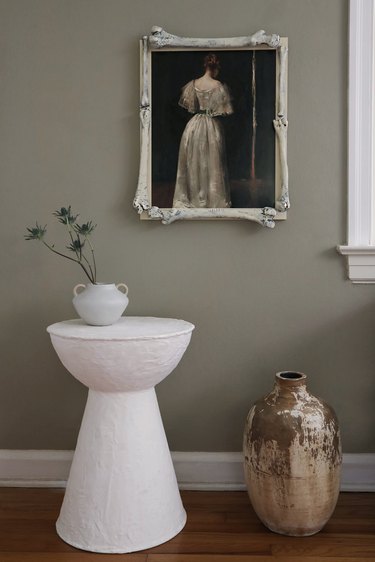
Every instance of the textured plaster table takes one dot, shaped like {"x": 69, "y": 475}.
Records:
{"x": 122, "y": 494}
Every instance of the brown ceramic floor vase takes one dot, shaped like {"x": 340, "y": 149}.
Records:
{"x": 292, "y": 452}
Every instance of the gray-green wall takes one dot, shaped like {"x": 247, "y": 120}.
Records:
{"x": 262, "y": 300}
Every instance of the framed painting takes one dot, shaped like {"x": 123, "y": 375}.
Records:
{"x": 213, "y": 128}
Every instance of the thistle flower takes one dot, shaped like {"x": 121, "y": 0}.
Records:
{"x": 65, "y": 215}
{"x": 76, "y": 245}
{"x": 36, "y": 233}
{"x": 85, "y": 229}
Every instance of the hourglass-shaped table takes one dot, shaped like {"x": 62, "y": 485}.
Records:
{"x": 122, "y": 494}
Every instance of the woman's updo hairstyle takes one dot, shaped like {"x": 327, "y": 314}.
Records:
{"x": 211, "y": 62}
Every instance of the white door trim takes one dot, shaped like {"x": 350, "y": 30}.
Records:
{"x": 360, "y": 247}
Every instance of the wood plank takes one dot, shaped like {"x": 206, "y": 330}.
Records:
{"x": 356, "y": 499}
{"x": 221, "y": 500}
{"x": 209, "y": 558}
{"x": 246, "y": 558}
{"x": 330, "y": 547}
{"x": 222, "y": 522}
{"x": 70, "y": 557}
{"x": 213, "y": 542}
{"x": 30, "y": 535}
{"x": 221, "y": 527}
{"x": 353, "y": 525}
{"x": 30, "y": 503}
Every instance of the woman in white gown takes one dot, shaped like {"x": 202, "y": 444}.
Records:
{"x": 202, "y": 179}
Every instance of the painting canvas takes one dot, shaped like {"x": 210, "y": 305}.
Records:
{"x": 213, "y": 128}
{"x": 213, "y": 147}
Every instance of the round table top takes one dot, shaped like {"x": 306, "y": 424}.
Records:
{"x": 127, "y": 328}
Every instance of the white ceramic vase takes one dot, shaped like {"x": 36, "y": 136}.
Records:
{"x": 101, "y": 304}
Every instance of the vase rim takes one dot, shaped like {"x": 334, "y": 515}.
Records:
{"x": 98, "y": 284}
{"x": 293, "y": 378}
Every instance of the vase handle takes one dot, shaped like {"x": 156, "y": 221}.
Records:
{"x": 124, "y": 286}
{"x": 75, "y": 292}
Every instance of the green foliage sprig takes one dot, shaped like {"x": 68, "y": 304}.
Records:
{"x": 79, "y": 240}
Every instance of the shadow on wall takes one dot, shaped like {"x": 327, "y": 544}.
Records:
{"x": 332, "y": 254}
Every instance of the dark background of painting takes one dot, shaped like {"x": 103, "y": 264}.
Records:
{"x": 170, "y": 72}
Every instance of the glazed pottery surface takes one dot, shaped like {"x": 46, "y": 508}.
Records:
{"x": 101, "y": 304}
{"x": 292, "y": 451}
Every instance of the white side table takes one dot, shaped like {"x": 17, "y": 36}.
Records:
{"x": 122, "y": 493}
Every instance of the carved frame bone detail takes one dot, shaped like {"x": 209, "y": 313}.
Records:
{"x": 266, "y": 216}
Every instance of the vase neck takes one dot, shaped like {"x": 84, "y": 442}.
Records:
{"x": 290, "y": 381}
{"x": 101, "y": 285}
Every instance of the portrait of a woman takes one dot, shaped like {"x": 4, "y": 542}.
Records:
{"x": 202, "y": 177}
{"x": 213, "y": 141}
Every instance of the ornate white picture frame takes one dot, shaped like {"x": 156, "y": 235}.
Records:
{"x": 261, "y": 61}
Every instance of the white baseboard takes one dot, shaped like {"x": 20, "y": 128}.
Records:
{"x": 209, "y": 471}
{"x": 195, "y": 470}
{"x": 34, "y": 468}
{"x": 358, "y": 473}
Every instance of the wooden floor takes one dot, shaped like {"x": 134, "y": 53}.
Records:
{"x": 221, "y": 527}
